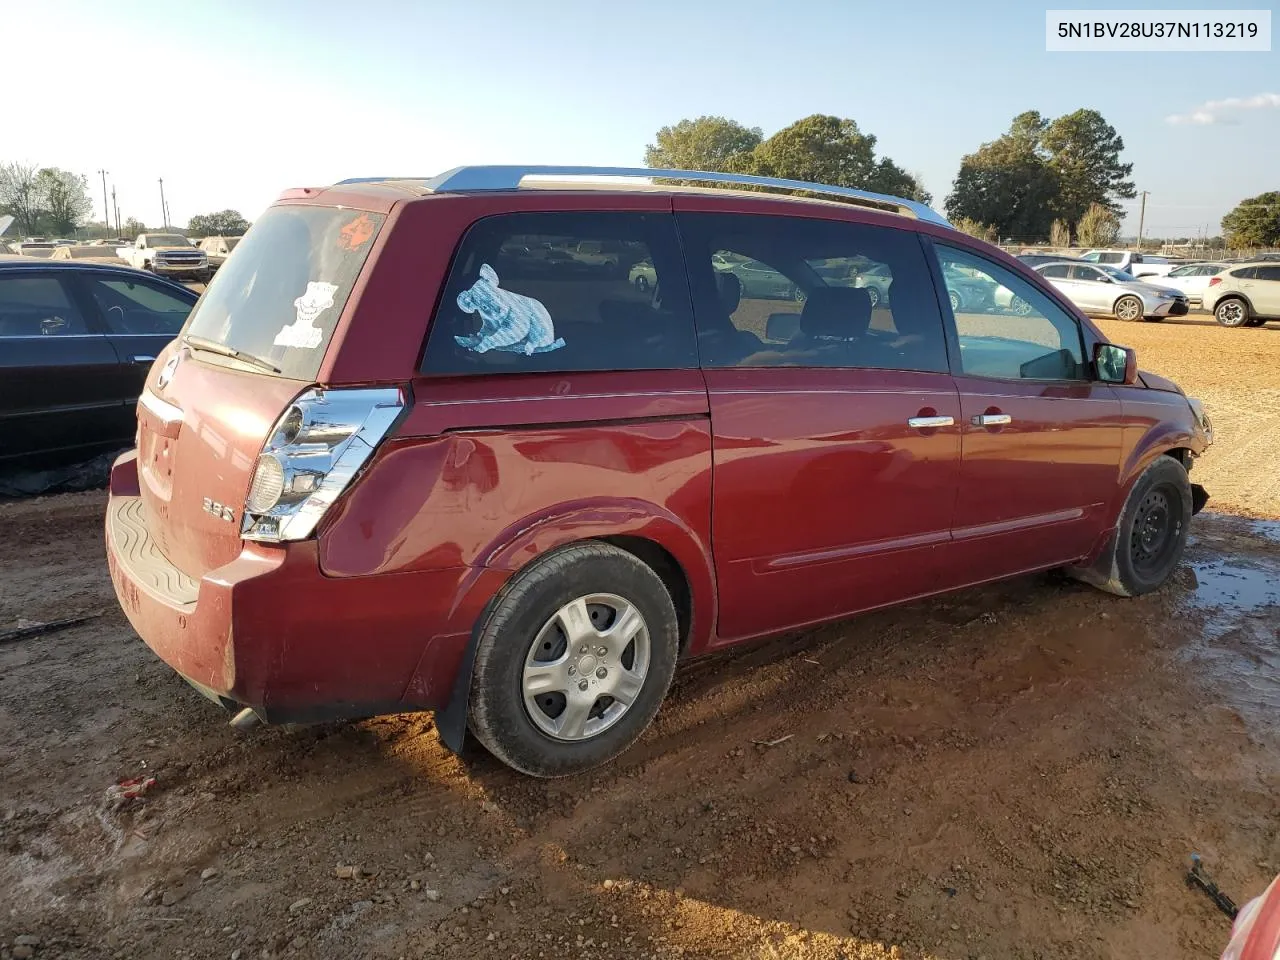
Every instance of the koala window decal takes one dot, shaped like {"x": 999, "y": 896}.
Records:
{"x": 509, "y": 321}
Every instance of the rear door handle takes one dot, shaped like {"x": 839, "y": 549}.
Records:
{"x": 142, "y": 358}
{"x": 925, "y": 423}
{"x": 992, "y": 419}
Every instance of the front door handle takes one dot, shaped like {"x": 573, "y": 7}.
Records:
{"x": 925, "y": 423}
{"x": 142, "y": 358}
{"x": 991, "y": 419}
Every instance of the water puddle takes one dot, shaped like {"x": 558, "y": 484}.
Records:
{"x": 1237, "y": 596}
{"x": 1231, "y": 593}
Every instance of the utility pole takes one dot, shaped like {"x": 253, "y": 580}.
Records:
{"x": 116, "y": 207}
{"x": 106, "y": 211}
{"x": 164, "y": 207}
{"x": 1142, "y": 216}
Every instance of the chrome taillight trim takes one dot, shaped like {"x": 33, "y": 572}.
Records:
{"x": 341, "y": 429}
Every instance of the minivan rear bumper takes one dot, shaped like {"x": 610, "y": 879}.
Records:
{"x": 270, "y": 631}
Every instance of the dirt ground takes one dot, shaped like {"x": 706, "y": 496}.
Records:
{"x": 1015, "y": 771}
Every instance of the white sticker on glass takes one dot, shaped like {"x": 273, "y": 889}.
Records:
{"x": 508, "y": 321}
{"x": 303, "y": 332}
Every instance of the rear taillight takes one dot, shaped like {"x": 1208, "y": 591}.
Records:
{"x": 314, "y": 451}
{"x": 1214, "y": 281}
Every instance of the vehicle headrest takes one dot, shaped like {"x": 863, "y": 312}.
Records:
{"x": 836, "y": 313}
{"x": 728, "y": 291}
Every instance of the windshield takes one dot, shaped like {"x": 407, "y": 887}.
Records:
{"x": 1115, "y": 273}
{"x": 167, "y": 240}
{"x": 279, "y": 298}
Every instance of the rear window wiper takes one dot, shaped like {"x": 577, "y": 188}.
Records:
{"x": 212, "y": 346}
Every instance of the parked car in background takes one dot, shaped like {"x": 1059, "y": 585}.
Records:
{"x": 386, "y": 475}
{"x": 217, "y": 249}
{"x": 1099, "y": 289}
{"x": 1247, "y": 295}
{"x": 595, "y": 254}
{"x": 876, "y": 281}
{"x": 1035, "y": 259}
{"x": 76, "y": 342}
{"x": 33, "y": 248}
{"x": 87, "y": 251}
{"x": 168, "y": 255}
{"x": 1135, "y": 264}
{"x": 759, "y": 281}
{"x": 1193, "y": 279}
{"x": 643, "y": 276}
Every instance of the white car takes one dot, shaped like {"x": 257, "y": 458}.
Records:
{"x": 1193, "y": 279}
{"x": 1130, "y": 261}
{"x": 1100, "y": 290}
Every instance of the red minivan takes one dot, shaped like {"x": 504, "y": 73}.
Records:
{"x": 509, "y": 450}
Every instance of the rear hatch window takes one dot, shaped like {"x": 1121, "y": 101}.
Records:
{"x": 279, "y": 298}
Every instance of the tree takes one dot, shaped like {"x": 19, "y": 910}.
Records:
{"x": 133, "y": 227}
{"x": 20, "y": 196}
{"x": 1008, "y": 183}
{"x": 1041, "y": 169}
{"x": 1060, "y": 233}
{"x": 1084, "y": 155}
{"x": 1099, "y": 227}
{"x": 820, "y": 149}
{"x": 224, "y": 223}
{"x": 64, "y": 197}
{"x": 1254, "y": 222}
{"x": 983, "y": 231}
{"x": 715, "y": 144}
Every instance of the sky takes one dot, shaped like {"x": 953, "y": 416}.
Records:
{"x": 232, "y": 102}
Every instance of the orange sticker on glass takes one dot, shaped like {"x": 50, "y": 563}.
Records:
{"x": 356, "y": 233}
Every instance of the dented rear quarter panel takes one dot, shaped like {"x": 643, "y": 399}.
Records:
{"x": 478, "y": 477}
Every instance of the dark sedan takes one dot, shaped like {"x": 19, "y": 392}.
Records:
{"x": 76, "y": 342}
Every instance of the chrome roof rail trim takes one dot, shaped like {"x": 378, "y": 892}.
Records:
{"x": 479, "y": 179}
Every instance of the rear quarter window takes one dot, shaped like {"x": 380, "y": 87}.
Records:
{"x": 533, "y": 292}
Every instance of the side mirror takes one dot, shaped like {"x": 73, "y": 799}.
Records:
{"x": 1115, "y": 364}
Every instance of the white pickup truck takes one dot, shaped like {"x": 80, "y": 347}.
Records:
{"x": 168, "y": 255}
{"x": 1134, "y": 263}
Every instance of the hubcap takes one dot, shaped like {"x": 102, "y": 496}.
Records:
{"x": 586, "y": 667}
{"x": 1128, "y": 309}
{"x": 1156, "y": 529}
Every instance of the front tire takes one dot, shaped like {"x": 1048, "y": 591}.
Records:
{"x": 1128, "y": 309}
{"x": 1150, "y": 535}
{"x": 1232, "y": 312}
{"x": 573, "y": 661}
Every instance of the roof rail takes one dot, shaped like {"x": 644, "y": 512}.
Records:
{"x": 484, "y": 178}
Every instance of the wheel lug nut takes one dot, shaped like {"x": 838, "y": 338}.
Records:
{"x": 582, "y": 685}
{"x": 601, "y": 651}
{"x": 584, "y": 649}
{"x": 572, "y": 671}
{"x": 602, "y": 673}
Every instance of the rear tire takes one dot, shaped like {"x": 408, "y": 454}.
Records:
{"x": 1231, "y": 312}
{"x": 1257, "y": 322}
{"x": 548, "y": 646}
{"x": 1150, "y": 535}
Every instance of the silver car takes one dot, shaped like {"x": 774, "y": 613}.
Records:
{"x": 1100, "y": 290}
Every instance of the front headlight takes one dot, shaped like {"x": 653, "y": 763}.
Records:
{"x": 1202, "y": 418}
